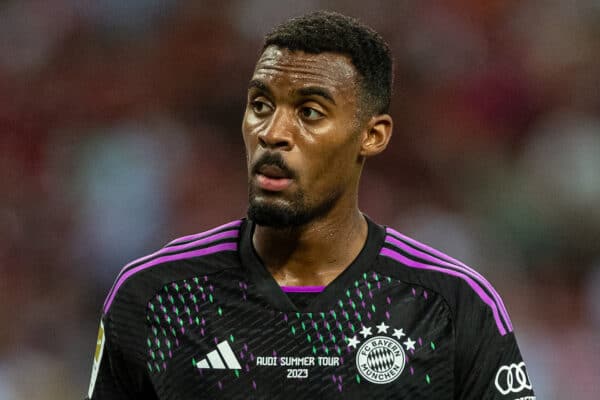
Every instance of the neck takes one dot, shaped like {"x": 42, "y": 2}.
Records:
{"x": 313, "y": 254}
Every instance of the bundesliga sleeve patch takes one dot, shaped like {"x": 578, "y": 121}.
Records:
{"x": 97, "y": 358}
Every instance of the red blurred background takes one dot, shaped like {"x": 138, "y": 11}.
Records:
{"x": 120, "y": 130}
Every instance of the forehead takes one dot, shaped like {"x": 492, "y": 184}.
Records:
{"x": 283, "y": 67}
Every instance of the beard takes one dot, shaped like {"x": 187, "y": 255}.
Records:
{"x": 296, "y": 213}
{"x": 293, "y": 212}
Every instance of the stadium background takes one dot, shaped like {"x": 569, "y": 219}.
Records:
{"x": 120, "y": 129}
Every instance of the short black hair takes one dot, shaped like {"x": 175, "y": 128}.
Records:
{"x": 328, "y": 31}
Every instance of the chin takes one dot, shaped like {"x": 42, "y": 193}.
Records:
{"x": 274, "y": 211}
{"x": 274, "y": 215}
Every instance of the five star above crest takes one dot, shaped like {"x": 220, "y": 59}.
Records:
{"x": 410, "y": 344}
{"x": 365, "y": 331}
{"x": 398, "y": 333}
{"x": 353, "y": 342}
{"x": 382, "y": 328}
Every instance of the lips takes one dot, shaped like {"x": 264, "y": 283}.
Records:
{"x": 273, "y": 171}
{"x": 272, "y": 184}
{"x": 272, "y": 178}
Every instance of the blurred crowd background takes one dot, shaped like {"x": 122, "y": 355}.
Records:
{"x": 120, "y": 130}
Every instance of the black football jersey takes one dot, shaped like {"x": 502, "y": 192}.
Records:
{"x": 202, "y": 318}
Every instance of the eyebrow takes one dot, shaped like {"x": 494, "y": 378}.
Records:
{"x": 257, "y": 84}
{"x": 316, "y": 91}
{"x": 306, "y": 91}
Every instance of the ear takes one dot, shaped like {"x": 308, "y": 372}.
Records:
{"x": 376, "y": 135}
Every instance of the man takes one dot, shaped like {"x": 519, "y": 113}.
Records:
{"x": 307, "y": 298}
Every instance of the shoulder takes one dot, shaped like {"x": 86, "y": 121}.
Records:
{"x": 466, "y": 291}
{"x": 172, "y": 262}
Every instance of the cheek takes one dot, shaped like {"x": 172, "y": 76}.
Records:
{"x": 250, "y": 140}
{"x": 333, "y": 167}
{"x": 340, "y": 154}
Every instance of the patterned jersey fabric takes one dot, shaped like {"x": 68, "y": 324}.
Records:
{"x": 202, "y": 318}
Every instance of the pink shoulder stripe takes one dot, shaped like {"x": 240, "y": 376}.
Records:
{"x": 205, "y": 233}
{"x": 449, "y": 262}
{"x": 227, "y": 246}
{"x": 480, "y": 292}
{"x": 203, "y": 241}
{"x": 424, "y": 246}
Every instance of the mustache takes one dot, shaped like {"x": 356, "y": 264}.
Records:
{"x": 272, "y": 159}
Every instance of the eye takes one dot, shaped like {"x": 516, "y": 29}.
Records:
{"x": 259, "y": 107}
{"x": 310, "y": 114}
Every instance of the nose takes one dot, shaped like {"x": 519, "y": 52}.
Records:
{"x": 279, "y": 133}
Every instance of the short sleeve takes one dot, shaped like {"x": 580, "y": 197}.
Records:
{"x": 115, "y": 376}
{"x": 489, "y": 365}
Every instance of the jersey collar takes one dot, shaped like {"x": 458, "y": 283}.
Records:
{"x": 268, "y": 288}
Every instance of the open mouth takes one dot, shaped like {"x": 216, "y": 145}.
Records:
{"x": 272, "y": 178}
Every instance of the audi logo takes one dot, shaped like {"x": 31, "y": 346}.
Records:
{"x": 512, "y": 378}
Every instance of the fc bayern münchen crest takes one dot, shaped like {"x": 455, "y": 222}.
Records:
{"x": 380, "y": 359}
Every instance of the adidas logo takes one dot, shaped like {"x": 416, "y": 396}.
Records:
{"x": 221, "y": 358}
